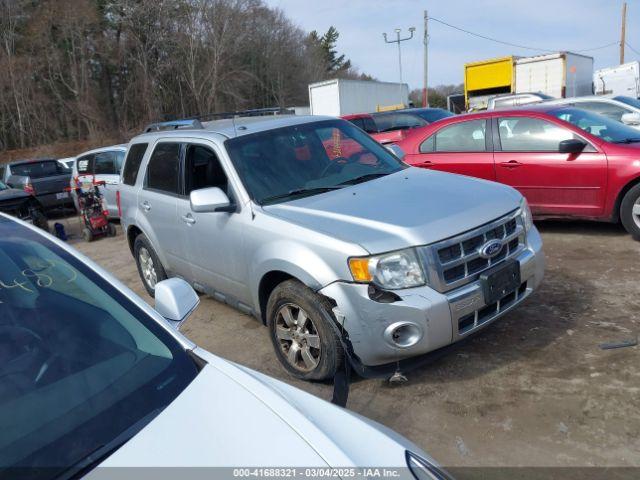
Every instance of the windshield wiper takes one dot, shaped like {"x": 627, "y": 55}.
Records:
{"x": 302, "y": 191}
{"x": 364, "y": 178}
{"x": 628, "y": 140}
{"x": 99, "y": 454}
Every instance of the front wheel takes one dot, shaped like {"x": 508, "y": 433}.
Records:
{"x": 630, "y": 212}
{"x": 301, "y": 330}
{"x": 149, "y": 267}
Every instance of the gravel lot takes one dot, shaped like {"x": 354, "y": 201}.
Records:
{"x": 534, "y": 389}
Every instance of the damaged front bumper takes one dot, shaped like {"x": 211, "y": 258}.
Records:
{"x": 424, "y": 320}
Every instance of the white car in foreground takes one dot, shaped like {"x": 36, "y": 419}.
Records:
{"x": 92, "y": 377}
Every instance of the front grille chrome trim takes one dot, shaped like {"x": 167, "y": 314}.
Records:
{"x": 441, "y": 273}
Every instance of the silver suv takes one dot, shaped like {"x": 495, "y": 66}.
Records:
{"x": 341, "y": 249}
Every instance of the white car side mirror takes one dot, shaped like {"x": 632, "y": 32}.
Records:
{"x": 631, "y": 118}
{"x": 208, "y": 200}
{"x": 175, "y": 300}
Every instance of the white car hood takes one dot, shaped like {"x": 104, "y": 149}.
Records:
{"x": 408, "y": 208}
{"x": 231, "y": 416}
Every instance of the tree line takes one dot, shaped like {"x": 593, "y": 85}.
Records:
{"x": 75, "y": 69}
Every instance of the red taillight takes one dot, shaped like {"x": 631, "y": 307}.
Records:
{"x": 29, "y": 189}
{"x": 118, "y": 203}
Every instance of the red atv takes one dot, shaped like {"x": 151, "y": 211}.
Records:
{"x": 93, "y": 210}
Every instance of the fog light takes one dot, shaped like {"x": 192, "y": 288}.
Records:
{"x": 403, "y": 334}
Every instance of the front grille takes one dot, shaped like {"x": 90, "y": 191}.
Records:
{"x": 456, "y": 261}
{"x": 479, "y": 317}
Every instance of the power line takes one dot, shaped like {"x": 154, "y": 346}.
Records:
{"x": 516, "y": 44}
{"x": 632, "y": 49}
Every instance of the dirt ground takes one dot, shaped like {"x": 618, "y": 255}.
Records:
{"x": 533, "y": 389}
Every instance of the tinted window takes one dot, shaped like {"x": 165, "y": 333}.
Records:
{"x": 370, "y": 126}
{"x": 524, "y": 134}
{"x": 48, "y": 168}
{"x": 105, "y": 163}
{"x": 358, "y": 122}
{"x": 306, "y": 158}
{"x": 203, "y": 170}
{"x": 85, "y": 164}
{"x": 133, "y": 162}
{"x": 81, "y": 363}
{"x": 602, "y": 127}
{"x": 164, "y": 167}
{"x": 398, "y": 121}
{"x": 609, "y": 110}
{"x": 459, "y": 137}
{"x": 432, "y": 114}
{"x": 3, "y": 169}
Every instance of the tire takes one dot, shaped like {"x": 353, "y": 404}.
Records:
{"x": 111, "y": 230}
{"x": 87, "y": 235}
{"x": 314, "y": 327}
{"x": 629, "y": 219}
{"x": 40, "y": 220}
{"x": 150, "y": 268}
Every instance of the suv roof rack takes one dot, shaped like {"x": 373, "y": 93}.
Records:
{"x": 174, "y": 125}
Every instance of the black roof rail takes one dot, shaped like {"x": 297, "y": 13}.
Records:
{"x": 174, "y": 125}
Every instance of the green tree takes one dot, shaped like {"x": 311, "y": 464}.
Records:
{"x": 334, "y": 63}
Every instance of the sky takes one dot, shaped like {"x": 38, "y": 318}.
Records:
{"x": 542, "y": 24}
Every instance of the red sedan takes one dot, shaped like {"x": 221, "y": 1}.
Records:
{"x": 567, "y": 162}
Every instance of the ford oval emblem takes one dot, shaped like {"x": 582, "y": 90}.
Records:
{"x": 490, "y": 249}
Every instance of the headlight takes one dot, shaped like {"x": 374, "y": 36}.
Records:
{"x": 425, "y": 470}
{"x": 393, "y": 270}
{"x": 525, "y": 213}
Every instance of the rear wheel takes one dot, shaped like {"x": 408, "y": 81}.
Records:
{"x": 301, "y": 330}
{"x": 40, "y": 219}
{"x": 149, "y": 267}
{"x": 630, "y": 211}
{"x": 87, "y": 235}
{"x": 111, "y": 230}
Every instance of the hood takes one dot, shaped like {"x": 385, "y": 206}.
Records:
{"x": 231, "y": 416}
{"x": 12, "y": 194}
{"x": 408, "y": 208}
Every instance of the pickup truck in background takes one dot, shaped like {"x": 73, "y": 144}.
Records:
{"x": 46, "y": 179}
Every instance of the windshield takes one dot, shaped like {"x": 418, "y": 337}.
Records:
{"x": 287, "y": 163}
{"x": 387, "y": 122}
{"x": 598, "y": 125}
{"x": 79, "y": 362}
{"x": 432, "y": 114}
{"x": 632, "y": 102}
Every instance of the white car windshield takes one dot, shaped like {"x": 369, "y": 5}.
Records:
{"x": 80, "y": 363}
{"x": 291, "y": 162}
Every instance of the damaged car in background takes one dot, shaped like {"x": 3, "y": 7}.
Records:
{"x": 340, "y": 248}
{"x": 20, "y": 204}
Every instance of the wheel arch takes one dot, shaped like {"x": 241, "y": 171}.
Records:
{"x": 615, "y": 216}
{"x": 132, "y": 233}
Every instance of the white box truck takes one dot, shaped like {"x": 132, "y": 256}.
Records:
{"x": 620, "y": 80}
{"x": 343, "y": 97}
{"x": 560, "y": 75}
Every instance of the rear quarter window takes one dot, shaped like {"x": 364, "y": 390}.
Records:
{"x": 133, "y": 162}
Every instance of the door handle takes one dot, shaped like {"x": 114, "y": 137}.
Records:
{"x": 426, "y": 164}
{"x": 510, "y": 164}
{"x": 145, "y": 206}
{"x": 188, "y": 219}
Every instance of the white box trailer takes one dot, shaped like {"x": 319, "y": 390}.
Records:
{"x": 560, "y": 75}
{"x": 620, "y": 80}
{"x": 343, "y": 97}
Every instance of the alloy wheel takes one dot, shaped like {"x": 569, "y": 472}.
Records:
{"x": 635, "y": 212}
{"x": 298, "y": 337}
{"x": 148, "y": 268}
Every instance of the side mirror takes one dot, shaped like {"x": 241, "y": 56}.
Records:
{"x": 175, "y": 300}
{"x": 571, "y": 146}
{"x": 396, "y": 150}
{"x": 209, "y": 200}
{"x": 631, "y": 118}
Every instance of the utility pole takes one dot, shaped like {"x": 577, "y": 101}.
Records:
{"x": 623, "y": 32}
{"x": 425, "y": 88}
{"x": 399, "y": 40}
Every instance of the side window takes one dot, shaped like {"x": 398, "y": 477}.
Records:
{"x": 3, "y": 169}
{"x": 203, "y": 170}
{"x": 523, "y": 134}
{"x": 358, "y": 122}
{"x": 459, "y": 137}
{"x": 85, "y": 165}
{"x": 370, "y": 125}
{"x": 119, "y": 161}
{"x": 609, "y": 110}
{"x": 163, "y": 169}
{"x": 133, "y": 162}
{"x": 104, "y": 163}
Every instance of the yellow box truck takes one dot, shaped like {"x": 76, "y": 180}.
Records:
{"x": 487, "y": 78}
